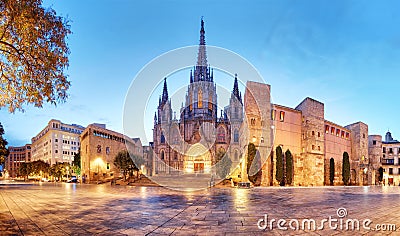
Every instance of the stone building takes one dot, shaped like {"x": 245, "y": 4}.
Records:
{"x": 57, "y": 142}
{"x": 313, "y": 142}
{"x": 99, "y": 146}
{"x": 389, "y": 153}
{"x": 196, "y": 141}
{"x": 191, "y": 143}
{"x": 16, "y": 156}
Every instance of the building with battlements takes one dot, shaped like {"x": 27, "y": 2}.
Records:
{"x": 191, "y": 143}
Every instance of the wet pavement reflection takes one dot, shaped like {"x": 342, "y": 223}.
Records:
{"x": 77, "y": 209}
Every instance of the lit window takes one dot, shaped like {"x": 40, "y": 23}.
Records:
{"x": 347, "y": 135}
{"x": 200, "y": 99}
{"x": 342, "y": 134}
{"x": 273, "y": 114}
{"x": 332, "y": 130}
{"x": 327, "y": 129}
{"x": 337, "y": 132}
{"x": 282, "y": 116}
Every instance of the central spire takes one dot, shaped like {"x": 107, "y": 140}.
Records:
{"x": 202, "y": 57}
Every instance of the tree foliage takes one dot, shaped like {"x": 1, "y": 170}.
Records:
{"x": 127, "y": 163}
{"x": 380, "y": 177}
{"x": 76, "y": 163}
{"x": 223, "y": 165}
{"x": 60, "y": 169}
{"x": 25, "y": 169}
{"x": 279, "y": 165}
{"x": 3, "y": 148}
{"x": 33, "y": 54}
{"x": 253, "y": 164}
{"x": 331, "y": 170}
{"x": 346, "y": 168}
{"x": 289, "y": 167}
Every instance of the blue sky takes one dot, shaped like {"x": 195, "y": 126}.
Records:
{"x": 345, "y": 54}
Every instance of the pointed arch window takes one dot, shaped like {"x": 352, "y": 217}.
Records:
{"x": 190, "y": 102}
{"x": 236, "y": 136}
{"x": 210, "y": 102}
{"x": 236, "y": 155}
{"x": 200, "y": 99}
{"x": 162, "y": 155}
{"x": 221, "y": 134}
{"x": 162, "y": 139}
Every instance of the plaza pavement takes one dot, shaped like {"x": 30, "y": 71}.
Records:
{"x": 78, "y": 209}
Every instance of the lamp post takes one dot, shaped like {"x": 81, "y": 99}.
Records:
{"x": 67, "y": 172}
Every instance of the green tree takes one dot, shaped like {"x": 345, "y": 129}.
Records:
{"x": 59, "y": 169}
{"x": 331, "y": 170}
{"x": 380, "y": 177}
{"x": 40, "y": 167}
{"x": 122, "y": 161}
{"x": 76, "y": 163}
{"x": 253, "y": 164}
{"x": 25, "y": 169}
{"x": 279, "y": 165}
{"x": 346, "y": 168}
{"x": 289, "y": 167}
{"x": 137, "y": 162}
{"x": 223, "y": 165}
{"x": 3, "y": 148}
{"x": 127, "y": 163}
{"x": 33, "y": 54}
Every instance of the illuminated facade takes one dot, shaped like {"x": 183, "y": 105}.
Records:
{"x": 389, "y": 152}
{"x": 99, "y": 146}
{"x": 57, "y": 142}
{"x": 16, "y": 156}
{"x": 190, "y": 144}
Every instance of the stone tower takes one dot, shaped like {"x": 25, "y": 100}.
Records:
{"x": 312, "y": 155}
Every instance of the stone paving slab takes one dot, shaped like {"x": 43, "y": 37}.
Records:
{"x": 76, "y": 209}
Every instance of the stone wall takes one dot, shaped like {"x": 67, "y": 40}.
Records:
{"x": 257, "y": 106}
{"x": 312, "y": 155}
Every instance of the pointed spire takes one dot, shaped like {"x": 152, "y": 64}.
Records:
{"x": 155, "y": 117}
{"x": 202, "y": 32}
{"x": 202, "y": 58}
{"x": 191, "y": 77}
{"x": 165, "y": 92}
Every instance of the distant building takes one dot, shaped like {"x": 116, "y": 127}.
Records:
{"x": 16, "y": 156}
{"x": 390, "y": 160}
{"x": 99, "y": 146}
{"x": 57, "y": 142}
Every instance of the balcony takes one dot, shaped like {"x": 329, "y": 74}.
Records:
{"x": 387, "y": 161}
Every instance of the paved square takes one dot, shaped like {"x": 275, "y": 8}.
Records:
{"x": 76, "y": 209}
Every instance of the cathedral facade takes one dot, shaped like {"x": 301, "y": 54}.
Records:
{"x": 202, "y": 135}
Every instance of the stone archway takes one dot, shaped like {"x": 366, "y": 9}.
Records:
{"x": 197, "y": 159}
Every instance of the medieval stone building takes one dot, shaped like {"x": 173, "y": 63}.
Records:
{"x": 191, "y": 143}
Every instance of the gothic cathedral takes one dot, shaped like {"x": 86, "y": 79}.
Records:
{"x": 200, "y": 138}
